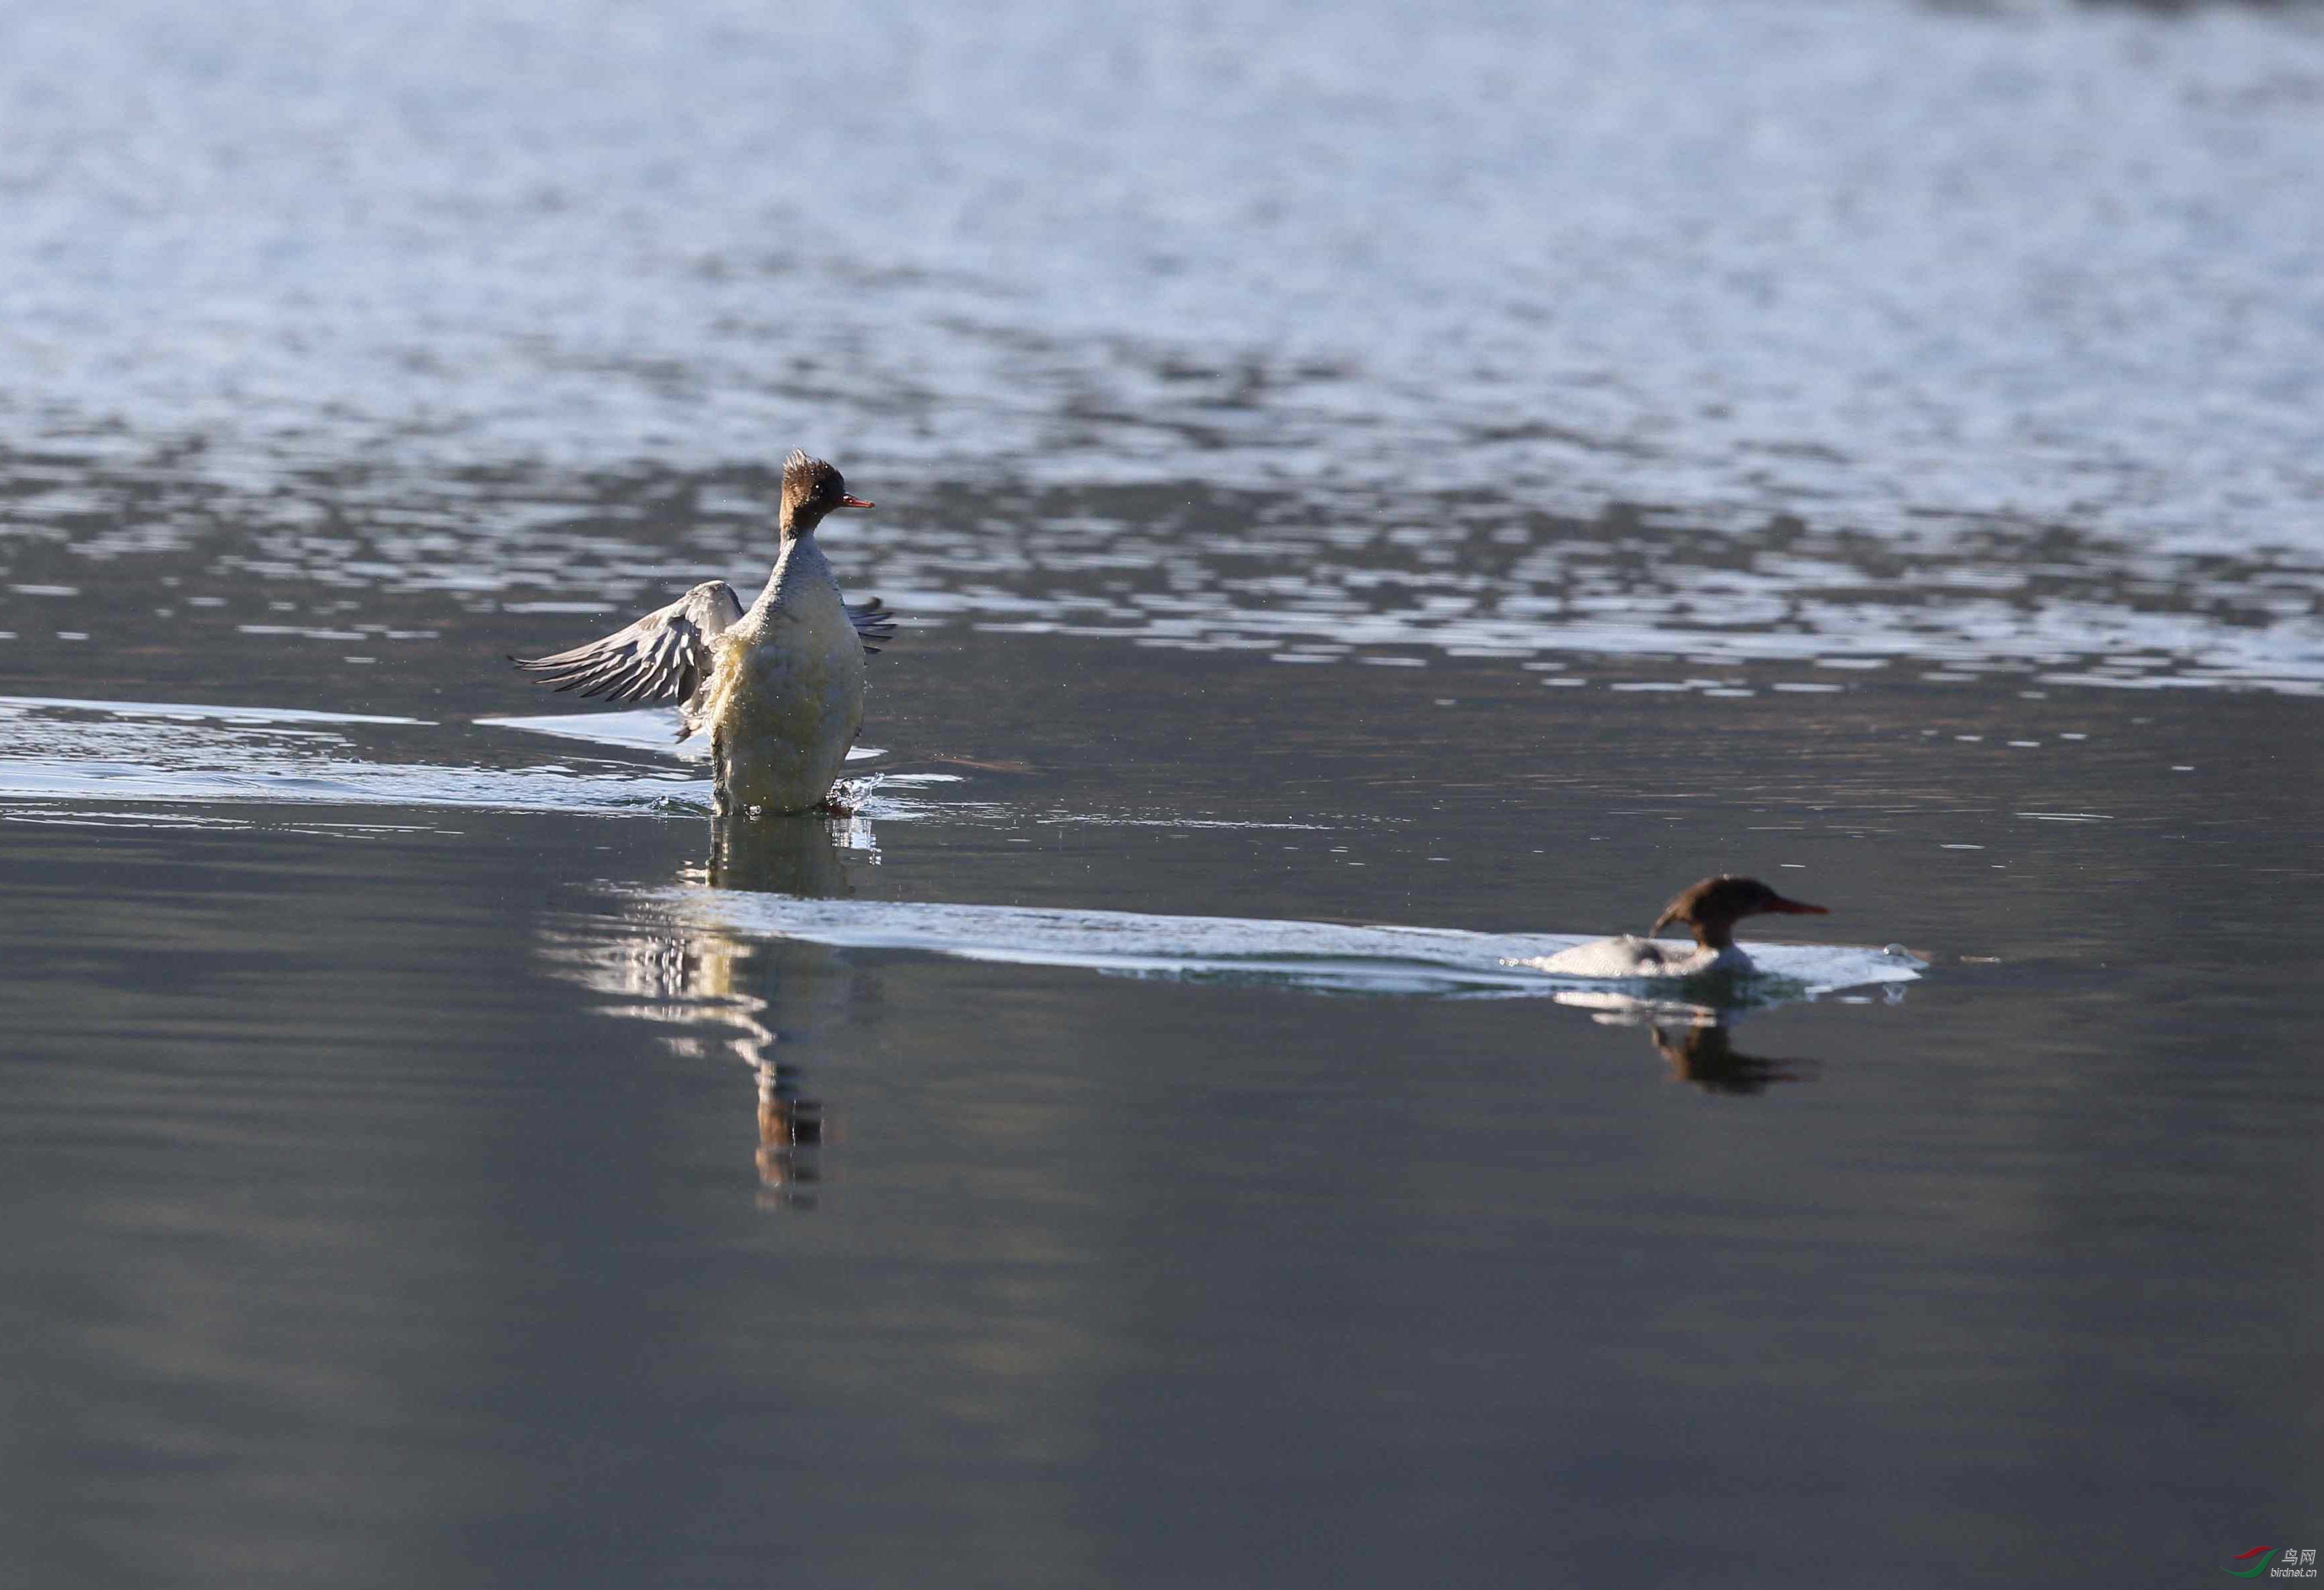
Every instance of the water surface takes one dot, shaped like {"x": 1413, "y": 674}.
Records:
{"x": 1372, "y": 499}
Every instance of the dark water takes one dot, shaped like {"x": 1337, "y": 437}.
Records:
{"x": 1379, "y": 497}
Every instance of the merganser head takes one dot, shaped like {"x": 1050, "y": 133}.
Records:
{"x": 811, "y": 489}
{"x": 1713, "y": 907}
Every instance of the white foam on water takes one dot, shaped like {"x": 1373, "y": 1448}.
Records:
{"x": 58, "y": 753}
{"x": 638, "y": 728}
{"x": 1323, "y": 957}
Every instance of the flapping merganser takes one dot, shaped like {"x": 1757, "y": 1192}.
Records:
{"x": 1712, "y": 908}
{"x": 780, "y": 688}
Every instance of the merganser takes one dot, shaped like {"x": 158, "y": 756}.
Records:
{"x": 1711, "y": 908}
{"x": 780, "y": 688}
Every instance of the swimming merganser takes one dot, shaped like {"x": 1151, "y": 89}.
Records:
{"x": 780, "y": 688}
{"x": 1711, "y": 908}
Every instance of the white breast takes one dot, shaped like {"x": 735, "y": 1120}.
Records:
{"x": 1629, "y": 956}
{"x": 786, "y": 697}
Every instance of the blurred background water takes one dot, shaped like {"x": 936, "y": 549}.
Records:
{"x": 1466, "y": 468}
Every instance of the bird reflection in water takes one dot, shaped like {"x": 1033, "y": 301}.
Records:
{"x": 1695, "y": 1039}
{"x": 1704, "y": 1056}
{"x": 803, "y": 856}
{"x": 763, "y": 994}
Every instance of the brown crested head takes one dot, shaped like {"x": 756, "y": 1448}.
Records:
{"x": 811, "y": 489}
{"x": 1712, "y": 908}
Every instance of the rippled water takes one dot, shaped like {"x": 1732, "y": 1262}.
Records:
{"x": 1929, "y": 339}
{"x": 1374, "y": 497}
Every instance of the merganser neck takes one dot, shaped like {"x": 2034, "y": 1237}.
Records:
{"x": 800, "y": 565}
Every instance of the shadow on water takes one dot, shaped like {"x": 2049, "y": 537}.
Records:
{"x": 1707, "y": 1056}
{"x": 1697, "y": 1039}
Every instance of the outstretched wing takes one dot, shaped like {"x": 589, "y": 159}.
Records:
{"x": 662, "y": 657}
{"x": 874, "y": 621}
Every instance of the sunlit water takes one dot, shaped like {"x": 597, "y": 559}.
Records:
{"x": 1702, "y": 330}
{"x": 1375, "y": 498}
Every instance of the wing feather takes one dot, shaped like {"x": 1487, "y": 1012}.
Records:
{"x": 874, "y": 621}
{"x": 662, "y": 657}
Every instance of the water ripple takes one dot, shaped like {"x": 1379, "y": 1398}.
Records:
{"x": 1322, "y": 957}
